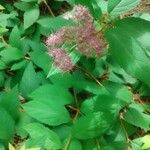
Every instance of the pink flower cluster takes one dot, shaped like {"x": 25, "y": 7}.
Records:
{"x": 61, "y": 59}
{"x": 83, "y": 33}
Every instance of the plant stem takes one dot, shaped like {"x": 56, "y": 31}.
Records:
{"x": 3, "y": 40}
{"x": 74, "y": 119}
{"x": 48, "y": 7}
{"x": 124, "y": 129}
{"x": 90, "y": 75}
{"x": 98, "y": 145}
{"x": 67, "y": 144}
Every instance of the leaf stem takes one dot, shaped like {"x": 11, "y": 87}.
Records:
{"x": 48, "y": 7}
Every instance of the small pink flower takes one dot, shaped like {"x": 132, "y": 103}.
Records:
{"x": 61, "y": 59}
{"x": 82, "y": 14}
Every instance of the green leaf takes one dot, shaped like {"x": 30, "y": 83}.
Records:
{"x": 48, "y": 137}
{"x": 75, "y": 145}
{"x": 23, "y": 6}
{"x": 18, "y": 65}
{"x": 53, "y": 24}
{"x": 135, "y": 112}
{"x": 132, "y": 27}
{"x": 118, "y": 7}
{"x": 2, "y": 78}
{"x": 2, "y": 65}
{"x": 11, "y": 54}
{"x": 129, "y": 53}
{"x": 146, "y": 141}
{"x": 47, "y": 113}
{"x": 3, "y": 30}
{"x": 1, "y": 7}
{"x": 10, "y": 101}
{"x": 31, "y": 16}
{"x": 29, "y": 81}
{"x": 7, "y": 125}
{"x": 48, "y": 93}
{"x": 41, "y": 58}
{"x": 91, "y": 125}
{"x": 14, "y": 38}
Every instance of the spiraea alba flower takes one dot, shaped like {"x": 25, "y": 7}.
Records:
{"x": 61, "y": 59}
{"x": 83, "y": 33}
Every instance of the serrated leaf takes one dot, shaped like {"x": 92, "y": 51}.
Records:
{"x": 29, "y": 81}
{"x": 23, "y": 6}
{"x": 75, "y": 145}
{"x": 10, "y": 101}
{"x": 129, "y": 53}
{"x": 30, "y": 17}
{"x": 91, "y": 125}
{"x": 46, "y": 113}
{"x": 11, "y": 54}
{"x": 146, "y": 141}
{"x": 135, "y": 112}
{"x": 18, "y": 65}
{"x": 117, "y": 7}
{"x": 47, "y": 93}
{"x": 14, "y": 38}
{"x": 7, "y": 125}
{"x": 54, "y": 24}
{"x": 48, "y": 137}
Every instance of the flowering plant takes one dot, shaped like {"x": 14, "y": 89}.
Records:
{"x": 74, "y": 75}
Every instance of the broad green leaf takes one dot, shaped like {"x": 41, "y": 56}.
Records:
{"x": 2, "y": 65}
{"x": 63, "y": 131}
{"x": 4, "y": 19}
{"x": 117, "y": 7}
{"x": 11, "y": 147}
{"x": 120, "y": 92}
{"x": 53, "y": 24}
{"x": 7, "y": 125}
{"x": 31, "y": 16}
{"x": 18, "y": 65}
{"x": 146, "y": 141}
{"x": 132, "y": 27}
{"x": 46, "y": 135}
{"x": 91, "y": 125}
{"x": 29, "y": 81}
{"x": 75, "y": 145}
{"x": 41, "y": 58}
{"x": 145, "y": 16}
{"x": 89, "y": 144}
{"x": 47, "y": 113}
{"x": 23, "y": 6}
{"x": 10, "y": 101}
{"x": 24, "y": 119}
{"x": 47, "y": 93}
{"x": 135, "y": 112}
{"x": 14, "y": 38}
{"x": 11, "y": 54}
{"x": 1, "y": 7}
{"x": 129, "y": 53}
